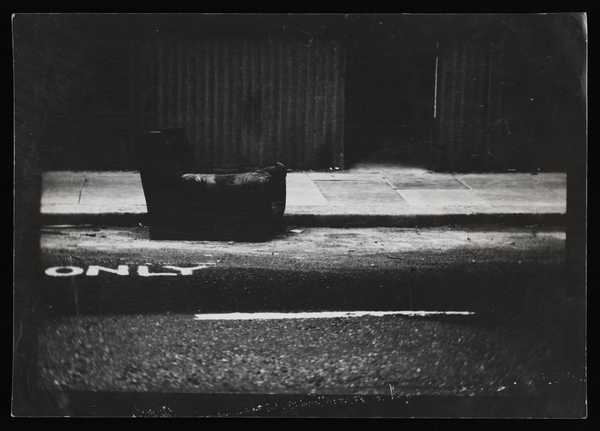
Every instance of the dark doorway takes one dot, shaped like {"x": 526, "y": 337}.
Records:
{"x": 390, "y": 90}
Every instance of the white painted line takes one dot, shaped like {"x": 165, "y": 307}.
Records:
{"x": 325, "y": 315}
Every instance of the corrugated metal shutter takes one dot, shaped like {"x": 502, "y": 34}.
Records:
{"x": 245, "y": 101}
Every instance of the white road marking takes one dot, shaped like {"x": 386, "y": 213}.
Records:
{"x": 325, "y": 315}
{"x": 59, "y": 271}
{"x": 143, "y": 271}
{"x": 94, "y": 270}
{"x": 123, "y": 270}
{"x": 189, "y": 270}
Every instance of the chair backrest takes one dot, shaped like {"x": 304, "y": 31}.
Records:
{"x": 164, "y": 152}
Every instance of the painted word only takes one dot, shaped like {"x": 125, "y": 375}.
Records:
{"x": 123, "y": 270}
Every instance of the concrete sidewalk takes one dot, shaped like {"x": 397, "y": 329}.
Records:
{"x": 374, "y": 196}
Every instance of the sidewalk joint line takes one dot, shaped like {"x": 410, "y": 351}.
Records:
{"x": 462, "y": 182}
{"x": 388, "y": 182}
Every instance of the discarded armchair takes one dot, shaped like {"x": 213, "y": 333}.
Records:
{"x": 241, "y": 204}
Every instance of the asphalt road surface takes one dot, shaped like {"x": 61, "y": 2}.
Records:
{"x": 134, "y": 329}
{"x": 315, "y": 269}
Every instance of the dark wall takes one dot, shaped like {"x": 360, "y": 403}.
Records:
{"x": 508, "y": 96}
{"x": 81, "y": 66}
{"x": 250, "y": 100}
{"x": 542, "y": 91}
{"x": 73, "y": 84}
{"x": 93, "y": 130}
{"x": 390, "y": 81}
{"x": 285, "y": 102}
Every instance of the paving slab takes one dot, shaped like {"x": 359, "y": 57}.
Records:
{"x": 514, "y": 181}
{"x": 61, "y": 191}
{"x": 301, "y": 191}
{"x": 444, "y": 201}
{"x": 364, "y": 192}
{"x": 537, "y": 200}
{"x": 439, "y": 182}
{"x": 372, "y": 177}
{"x": 121, "y": 193}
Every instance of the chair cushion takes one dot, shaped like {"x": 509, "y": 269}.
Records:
{"x": 224, "y": 182}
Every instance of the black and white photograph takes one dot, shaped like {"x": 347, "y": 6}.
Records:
{"x": 299, "y": 215}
